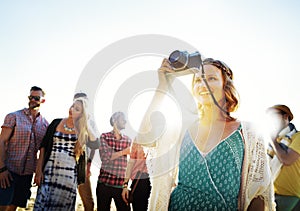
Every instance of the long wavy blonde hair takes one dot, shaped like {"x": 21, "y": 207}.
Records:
{"x": 81, "y": 125}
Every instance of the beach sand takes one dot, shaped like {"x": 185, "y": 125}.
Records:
{"x": 30, "y": 204}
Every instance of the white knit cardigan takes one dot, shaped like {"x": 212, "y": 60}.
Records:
{"x": 255, "y": 181}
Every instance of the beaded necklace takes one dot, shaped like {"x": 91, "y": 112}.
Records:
{"x": 68, "y": 129}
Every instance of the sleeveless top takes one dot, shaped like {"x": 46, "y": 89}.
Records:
{"x": 209, "y": 181}
{"x": 58, "y": 190}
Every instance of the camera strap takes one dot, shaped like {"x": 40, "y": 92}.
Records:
{"x": 210, "y": 92}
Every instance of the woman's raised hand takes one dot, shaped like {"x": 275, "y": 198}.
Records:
{"x": 164, "y": 78}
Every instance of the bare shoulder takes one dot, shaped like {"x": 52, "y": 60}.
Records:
{"x": 234, "y": 125}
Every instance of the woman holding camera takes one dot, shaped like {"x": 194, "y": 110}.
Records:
{"x": 222, "y": 162}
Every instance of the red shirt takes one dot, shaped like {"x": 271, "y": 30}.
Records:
{"x": 112, "y": 172}
{"x": 25, "y": 141}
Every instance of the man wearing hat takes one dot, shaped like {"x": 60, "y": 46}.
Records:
{"x": 286, "y": 147}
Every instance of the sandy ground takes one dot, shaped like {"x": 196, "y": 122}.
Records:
{"x": 79, "y": 205}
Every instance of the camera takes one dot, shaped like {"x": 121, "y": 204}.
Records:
{"x": 182, "y": 60}
{"x": 284, "y": 143}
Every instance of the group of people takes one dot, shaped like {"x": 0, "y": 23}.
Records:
{"x": 66, "y": 148}
{"x": 222, "y": 163}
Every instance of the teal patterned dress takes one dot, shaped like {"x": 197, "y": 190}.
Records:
{"x": 210, "y": 182}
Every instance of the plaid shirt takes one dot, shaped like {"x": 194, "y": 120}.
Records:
{"x": 22, "y": 147}
{"x": 112, "y": 172}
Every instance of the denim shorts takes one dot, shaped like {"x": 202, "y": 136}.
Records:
{"x": 19, "y": 191}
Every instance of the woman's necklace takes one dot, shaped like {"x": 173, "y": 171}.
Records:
{"x": 67, "y": 128}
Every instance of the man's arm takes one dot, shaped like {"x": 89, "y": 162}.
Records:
{"x": 131, "y": 162}
{"x": 39, "y": 177}
{"x": 118, "y": 154}
{"x": 286, "y": 157}
{"x": 107, "y": 153}
{"x": 125, "y": 193}
{"x": 5, "y": 176}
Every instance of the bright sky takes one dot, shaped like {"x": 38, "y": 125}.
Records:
{"x": 48, "y": 44}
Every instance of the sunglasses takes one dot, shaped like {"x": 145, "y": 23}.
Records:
{"x": 221, "y": 65}
{"x": 36, "y": 98}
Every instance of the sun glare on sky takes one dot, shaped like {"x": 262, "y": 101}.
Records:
{"x": 48, "y": 44}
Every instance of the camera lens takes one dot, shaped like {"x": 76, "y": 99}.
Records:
{"x": 174, "y": 56}
{"x": 178, "y": 59}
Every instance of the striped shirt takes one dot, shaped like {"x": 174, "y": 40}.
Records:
{"x": 112, "y": 172}
{"x": 22, "y": 147}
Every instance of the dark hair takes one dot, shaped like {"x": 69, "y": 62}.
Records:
{"x": 115, "y": 116}
{"x": 36, "y": 88}
{"x": 80, "y": 94}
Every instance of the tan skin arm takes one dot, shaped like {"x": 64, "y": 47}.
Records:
{"x": 123, "y": 152}
{"x": 91, "y": 135}
{"x": 257, "y": 204}
{"x": 163, "y": 87}
{"x": 5, "y": 176}
{"x": 125, "y": 192}
{"x": 118, "y": 154}
{"x": 286, "y": 157}
{"x": 39, "y": 176}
